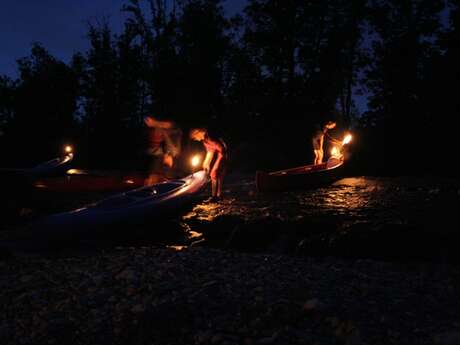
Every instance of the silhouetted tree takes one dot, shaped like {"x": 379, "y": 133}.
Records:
{"x": 264, "y": 77}
{"x": 7, "y": 94}
{"x": 7, "y": 112}
{"x": 103, "y": 117}
{"x": 402, "y": 47}
{"x": 44, "y": 105}
{"x": 307, "y": 53}
{"x": 203, "y": 47}
{"x": 440, "y": 89}
{"x": 156, "y": 31}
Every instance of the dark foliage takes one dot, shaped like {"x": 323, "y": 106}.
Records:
{"x": 262, "y": 79}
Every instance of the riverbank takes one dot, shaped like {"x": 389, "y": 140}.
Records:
{"x": 200, "y": 295}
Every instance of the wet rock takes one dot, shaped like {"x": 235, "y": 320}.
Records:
{"x": 449, "y": 338}
{"x": 313, "y": 304}
{"x": 138, "y": 308}
{"x": 217, "y": 339}
{"x": 126, "y": 274}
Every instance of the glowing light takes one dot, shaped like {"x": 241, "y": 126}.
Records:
{"x": 196, "y": 160}
{"x": 177, "y": 248}
{"x": 129, "y": 181}
{"x": 335, "y": 151}
{"x": 75, "y": 172}
{"x": 68, "y": 149}
{"x": 347, "y": 139}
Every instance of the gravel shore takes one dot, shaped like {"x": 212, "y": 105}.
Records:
{"x": 197, "y": 295}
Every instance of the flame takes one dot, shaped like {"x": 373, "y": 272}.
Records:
{"x": 347, "y": 139}
{"x": 68, "y": 149}
{"x": 335, "y": 151}
{"x": 196, "y": 160}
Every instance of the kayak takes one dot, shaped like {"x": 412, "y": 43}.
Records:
{"x": 52, "y": 167}
{"x": 307, "y": 176}
{"x": 136, "y": 206}
{"x": 84, "y": 181}
{"x": 16, "y": 184}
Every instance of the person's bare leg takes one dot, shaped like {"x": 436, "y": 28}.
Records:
{"x": 320, "y": 157}
{"x": 214, "y": 187}
{"x": 219, "y": 187}
{"x": 316, "y": 160}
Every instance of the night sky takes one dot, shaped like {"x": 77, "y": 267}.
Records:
{"x": 59, "y": 25}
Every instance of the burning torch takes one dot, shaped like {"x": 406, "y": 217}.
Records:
{"x": 195, "y": 161}
{"x": 337, "y": 151}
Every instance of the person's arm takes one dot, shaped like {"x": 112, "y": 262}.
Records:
{"x": 220, "y": 156}
{"x": 335, "y": 141}
{"x": 162, "y": 124}
{"x": 171, "y": 147}
{"x": 321, "y": 142}
{"x": 207, "y": 160}
{"x": 216, "y": 165}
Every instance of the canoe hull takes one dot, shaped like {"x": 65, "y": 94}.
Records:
{"x": 91, "y": 182}
{"x": 136, "y": 207}
{"x": 306, "y": 177}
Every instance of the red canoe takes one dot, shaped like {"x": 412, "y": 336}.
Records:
{"x": 308, "y": 176}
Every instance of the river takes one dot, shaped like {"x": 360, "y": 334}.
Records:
{"x": 399, "y": 218}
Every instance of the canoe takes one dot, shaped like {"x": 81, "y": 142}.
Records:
{"x": 134, "y": 207}
{"x": 308, "y": 176}
{"x": 87, "y": 181}
{"x": 52, "y": 167}
{"x": 16, "y": 184}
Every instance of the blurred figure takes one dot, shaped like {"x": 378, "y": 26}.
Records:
{"x": 163, "y": 145}
{"x": 215, "y": 161}
{"x": 318, "y": 140}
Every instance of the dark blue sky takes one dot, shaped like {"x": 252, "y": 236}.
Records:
{"x": 59, "y": 25}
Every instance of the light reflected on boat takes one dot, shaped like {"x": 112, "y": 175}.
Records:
{"x": 177, "y": 248}
{"x": 75, "y": 172}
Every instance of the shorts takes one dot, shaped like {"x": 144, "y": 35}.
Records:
{"x": 316, "y": 144}
{"x": 155, "y": 165}
{"x": 222, "y": 169}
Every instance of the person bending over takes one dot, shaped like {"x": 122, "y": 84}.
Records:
{"x": 215, "y": 161}
{"x": 318, "y": 141}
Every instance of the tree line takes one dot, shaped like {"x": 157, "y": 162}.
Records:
{"x": 262, "y": 79}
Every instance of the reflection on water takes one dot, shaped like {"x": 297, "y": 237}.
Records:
{"x": 348, "y": 200}
{"x": 362, "y": 215}
{"x": 408, "y": 208}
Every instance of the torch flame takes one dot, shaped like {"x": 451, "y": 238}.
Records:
{"x": 335, "y": 151}
{"x": 196, "y": 160}
{"x": 347, "y": 139}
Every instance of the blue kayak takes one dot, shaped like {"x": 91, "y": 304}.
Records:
{"x": 137, "y": 206}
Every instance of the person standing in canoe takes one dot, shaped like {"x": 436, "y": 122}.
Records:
{"x": 318, "y": 140}
{"x": 161, "y": 148}
{"x": 215, "y": 161}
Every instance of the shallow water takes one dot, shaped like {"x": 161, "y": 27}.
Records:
{"x": 387, "y": 218}
{"x": 359, "y": 216}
